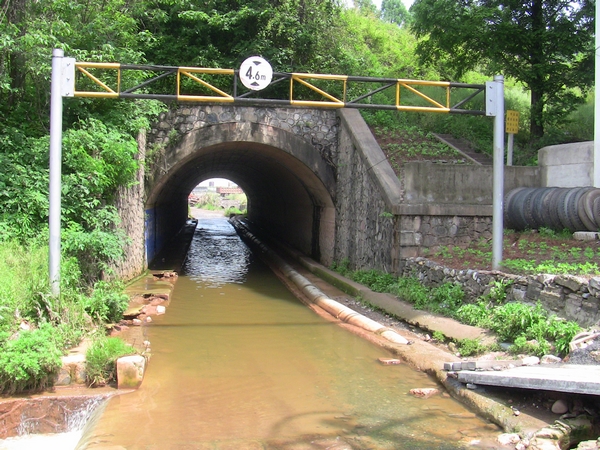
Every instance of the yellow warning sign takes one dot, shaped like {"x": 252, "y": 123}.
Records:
{"x": 512, "y": 122}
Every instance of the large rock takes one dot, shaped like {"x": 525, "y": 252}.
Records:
{"x": 130, "y": 371}
{"x": 560, "y": 406}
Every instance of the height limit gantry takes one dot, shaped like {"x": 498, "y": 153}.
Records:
{"x": 194, "y": 84}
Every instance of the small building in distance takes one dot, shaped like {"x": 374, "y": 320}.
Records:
{"x": 223, "y": 191}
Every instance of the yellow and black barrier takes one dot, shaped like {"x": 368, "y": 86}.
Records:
{"x": 195, "y": 84}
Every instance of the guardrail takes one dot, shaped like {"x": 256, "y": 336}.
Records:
{"x": 196, "y": 84}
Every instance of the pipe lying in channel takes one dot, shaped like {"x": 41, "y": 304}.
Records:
{"x": 315, "y": 295}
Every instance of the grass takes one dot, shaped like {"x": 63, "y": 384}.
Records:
{"x": 530, "y": 328}
{"x": 36, "y": 327}
{"x": 101, "y": 358}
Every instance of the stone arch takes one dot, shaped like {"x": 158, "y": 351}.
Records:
{"x": 289, "y": 183}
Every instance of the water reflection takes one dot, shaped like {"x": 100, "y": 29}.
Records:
{"x": 215, "y": 256}
{"x": 239, "y": 363}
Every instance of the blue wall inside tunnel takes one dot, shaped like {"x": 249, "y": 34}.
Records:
{"x": 163, "y": 222}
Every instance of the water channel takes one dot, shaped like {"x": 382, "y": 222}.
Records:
{"x": 239, "y": 363}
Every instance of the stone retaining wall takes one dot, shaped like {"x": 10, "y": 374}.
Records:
{"x": 570, "y": 297}
{"x": 364, "y": 221}
{"x": 130, "y": 205}
{"x": 425, "y": 233}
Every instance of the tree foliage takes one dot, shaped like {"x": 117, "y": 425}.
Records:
{"x": 394, "y": 11}
{"x": 374, "y": 48}
{"x": 291, "y": 34}
{"x": 547, "y": 45}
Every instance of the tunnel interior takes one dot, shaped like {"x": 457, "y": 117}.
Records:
{"x": 287, "y": 199}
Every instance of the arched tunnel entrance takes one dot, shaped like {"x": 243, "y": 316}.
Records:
{"x": 288, "y": 184}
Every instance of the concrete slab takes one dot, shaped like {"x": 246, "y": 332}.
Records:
{"x": 573, "y": 378}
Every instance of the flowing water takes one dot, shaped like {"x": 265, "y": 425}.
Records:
{"x": 239, "y": 363}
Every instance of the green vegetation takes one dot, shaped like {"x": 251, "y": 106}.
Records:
{"x": 546, "y": 45}
{"x": 209, "y": 200}
{"x": 470, "y": 347}
{"x": 232, "y": 210}
{"x": 530, "y": 328}
{"x": 529, "y": 252}
{"x": 29, "y": 359}
{"x": 36, "y": 327}
{"x": 212, "y": 202}
{"x": 101, "y": 358}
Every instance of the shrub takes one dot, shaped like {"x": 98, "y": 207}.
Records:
{"x": 562, "y": 333}
{"x": 29, "y": 359}
{"x": 532, "y": 347}
{"x": 101, "y": 358}
{"x": 107, "y": 302}
{"x": 512, "y": 320}
{"x": 342, "y": 267}
{"x": 477, "y": 314}
{"x": 232, "y": 210}
{"x": 446, "y": 298}
{"x": 412, "y": 291}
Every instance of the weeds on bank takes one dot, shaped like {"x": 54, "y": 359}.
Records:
{"x": 529, "y": 328}
{"x": 101, "y": 358}
{"x": 37, "y": 327}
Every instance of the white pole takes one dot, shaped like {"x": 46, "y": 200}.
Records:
{"x": 56, "y": 112}
{"x": 596, "y": 174}
{"x": 498, "y": 175}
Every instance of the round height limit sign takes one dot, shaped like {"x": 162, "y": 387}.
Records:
{"x": 256, "y": 73}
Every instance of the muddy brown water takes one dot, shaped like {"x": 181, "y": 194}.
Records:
{"x": 239, "y": 363}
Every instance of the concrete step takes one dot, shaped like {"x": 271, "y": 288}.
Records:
{"x": 572, "y": 378}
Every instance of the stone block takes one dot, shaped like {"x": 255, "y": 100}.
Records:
{"x": 63, "y": 378}
{"x": 594, "y": 286}
{"x": 409, "y": 252}
{"x": 573, "y": 306}
{"x": 130, "y": 371}
{"x": 533, "y": 290}
{"x": 552, "y": 299}
{"x": 516, "y": 293}
{"x": 570, "y": 283}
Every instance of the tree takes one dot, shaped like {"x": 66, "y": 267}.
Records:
{"x": 394, "y": 11}
{"x": 548, "y": 45}
{"x": 290, "y": 34}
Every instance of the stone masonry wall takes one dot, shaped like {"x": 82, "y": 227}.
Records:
{"x": 130, "y": 205}
{"x": 418, "y": 234}
{"x": 567, "y": 296}
{"x": 364, "y": 229}
{"x": 319, "y": 127}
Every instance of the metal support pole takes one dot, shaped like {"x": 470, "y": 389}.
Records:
{"x": 498, "y": 174}
{"x": 56, "y": 110}
{"x": 596, "y": 174}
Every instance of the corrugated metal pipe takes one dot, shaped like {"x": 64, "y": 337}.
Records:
{"x": 574, "y": 209}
